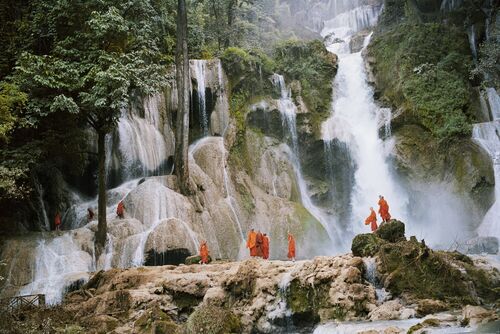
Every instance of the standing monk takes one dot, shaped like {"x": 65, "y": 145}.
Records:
{"x": 372, "y": 219}
{"x": 252, "y": 242}
{"x": 57, "y": 221}
{"x": 204, "y": 252}
{"x": 291, "y": 247}
{"x": 260, "y": 240}
{"x": 383, "y": 209}
{"x": 120, "y": 209}
{"x": 265, "y": 246}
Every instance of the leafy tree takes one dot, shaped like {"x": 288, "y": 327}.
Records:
{"x": 100, "y": 52}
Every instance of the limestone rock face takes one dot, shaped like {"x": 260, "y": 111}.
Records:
{"x": 477, "y": 314}
{"x": 250, "y": 295}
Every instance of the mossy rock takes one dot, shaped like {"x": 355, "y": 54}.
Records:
{"x": 425, "y": 324}
{"x": 392, "y": 231}
{"x": 155, "y": 321}
{"x": 211, "y": 319}
{"x": 367, "y": 244}
{"x": 306, "y": 301}
{"x": 195, "y": 259}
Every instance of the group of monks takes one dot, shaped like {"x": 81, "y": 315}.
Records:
{"x": 257, "y": 243}
{"x": 383, "y": 210}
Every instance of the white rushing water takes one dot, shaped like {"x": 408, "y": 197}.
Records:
{"x": 288, "y": 112}
{"x": 356, "y": 119}
{"x": 488, "y": 136}
{"x": 199, "y": 70}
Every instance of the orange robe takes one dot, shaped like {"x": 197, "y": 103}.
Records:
{"x": 204, "y": 252}
{"x": 119, "y": 209}
{"x": 265, "y": 247}
{"x": 57, "y": 220}
{"x": 291, "y": 247}
{"x": 259, "y": 239}
{"x": 252, "y": 243}
{"x": 372, "y": 219}
{"x": 384, "y": 210}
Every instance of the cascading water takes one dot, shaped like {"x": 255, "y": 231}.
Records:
{"x": 199, "y": 70}
{"x": 371, "y": 276}
{"x": 356, "y": 119}
{"x": 488, "y": 136}
{"x": 288, "y": 112}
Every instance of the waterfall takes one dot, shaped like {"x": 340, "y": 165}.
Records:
{"x": 488, "y": 136}
{"x": 494, "y": 103}
{"x": 370, "y": 264}
{"x": 355, "y": 120}
{"x": 59, "y": 262}
{"x": 471, "y": 32}
{"x": 450, "y": 5}
{"x": 199, "y": 70}
{"x": 288, "y": 112}
{"x": 227, "y": 189}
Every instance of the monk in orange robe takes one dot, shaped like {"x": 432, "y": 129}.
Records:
{"x": 291, "y": 247}
{"x": 372, "y": 219}
{"x": 57, "y": 221}
{"x": 204, "y": 252}
{"x": 260, "y": 240}
{"x": 383, "y": 209}
{"x": 252, "y": 242}
{"x": 120, "y": 209}
{"x": 265, "y": 247}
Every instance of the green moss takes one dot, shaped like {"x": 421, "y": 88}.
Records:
{"x": 314, "y": 67}
{"x": 423, "y": 68}
{"x": 392, "y": 231}
{"x": 210, "y": 319}
{"x": 367, "y": 244}
{"x": 306, "y": 300}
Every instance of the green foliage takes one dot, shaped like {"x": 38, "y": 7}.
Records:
{"x": 11, "y": 103}
{"x": 488, "y": 66}
{"x": 312, "y": 65}
{"x": 423, "y": 68}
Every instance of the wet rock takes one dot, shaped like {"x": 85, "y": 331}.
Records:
{"x": 473, "y": 315}
{"x": 392, "y": 231}
{"x": 391, "y": 310}
{"x": 430, "y": 306}
{"x": 212, "y": 319}
{"x": 366, "y": 245}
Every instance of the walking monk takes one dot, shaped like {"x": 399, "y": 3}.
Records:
{"x": 291, "y": 247}
{"x": 204, "y": 252}
{"x": 260, "y": 240}
{"x": 57, "y": 221}
{"x": 265, "y": 247}
{"x": 383, "y": 209}
{"x": 120, "y": 209}
{"x": 372, "y": 219}
{"x": 252, "y": 242}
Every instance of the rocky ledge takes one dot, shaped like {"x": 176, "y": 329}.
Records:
{"x": 400, "y": 280}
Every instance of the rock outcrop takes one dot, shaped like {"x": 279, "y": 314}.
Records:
{"x": 411, "y": 269}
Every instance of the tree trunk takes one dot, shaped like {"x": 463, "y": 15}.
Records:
{"x": 100, "y": 238}
{"x": 183, "y": 93}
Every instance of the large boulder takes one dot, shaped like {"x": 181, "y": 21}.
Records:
{"x": 392, "y": 231}
{"x": 366, "y": 245}
{"x": 208, "y": 318}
